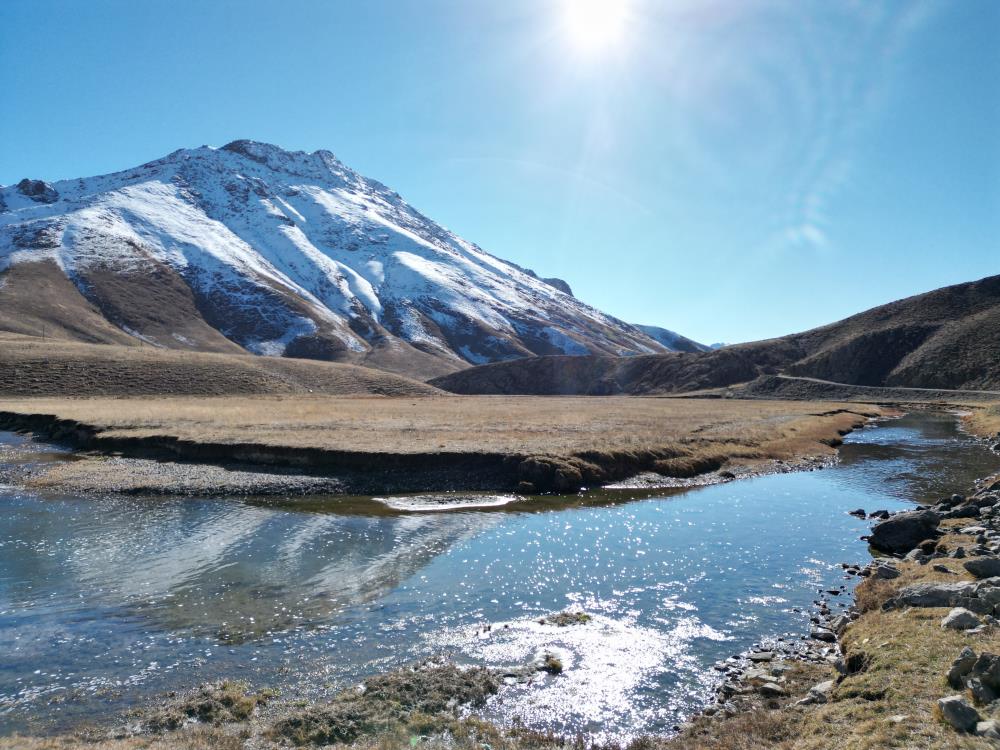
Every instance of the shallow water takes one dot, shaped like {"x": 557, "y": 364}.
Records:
{"x": 107, "y": 602}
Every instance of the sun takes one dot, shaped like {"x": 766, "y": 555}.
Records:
{"x": 594, "y": 26}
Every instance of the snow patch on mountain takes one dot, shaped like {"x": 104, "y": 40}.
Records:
{"x": 279, "y": 247}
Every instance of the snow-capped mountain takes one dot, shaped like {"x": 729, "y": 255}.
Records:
{"x": 280, "y": 253}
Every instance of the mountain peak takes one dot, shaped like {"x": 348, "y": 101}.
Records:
{"x": 257, "y": 150}
{"x": 280, "y": 159}
{"x": 282, "y": 253}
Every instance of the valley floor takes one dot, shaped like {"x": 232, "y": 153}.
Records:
{"x": 364, "y": 445}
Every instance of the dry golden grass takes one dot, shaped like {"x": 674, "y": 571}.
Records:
{"x": 42, "y": 367}
{"x": 985, "y": 421}
{"x": 890, "y": 703}
{"x": 908, "y": 654}
{"x": 192, "y": 739}
{"x": 473, "y": 424}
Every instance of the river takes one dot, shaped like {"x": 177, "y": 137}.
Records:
{"x": 106, "y": 602}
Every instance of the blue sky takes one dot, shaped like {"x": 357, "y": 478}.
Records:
{"x": 731, "y": 170}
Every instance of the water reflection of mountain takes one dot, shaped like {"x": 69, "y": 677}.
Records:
{"x": 221, "y": 566}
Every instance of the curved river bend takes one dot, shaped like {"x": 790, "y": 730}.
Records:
{"x": 105, "y": 602}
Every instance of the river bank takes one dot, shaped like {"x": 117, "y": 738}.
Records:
{"x": 902, "y": 671}
{"x": 365, "y": 446}
{"x": 902, "y": 654}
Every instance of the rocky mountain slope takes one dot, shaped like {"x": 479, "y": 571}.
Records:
{"x": 948, "y": 338}
{"x": 252, "y": 248}
{"x": 672, "y": 341}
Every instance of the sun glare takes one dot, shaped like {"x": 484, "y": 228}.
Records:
{"x": 594, "y": 26}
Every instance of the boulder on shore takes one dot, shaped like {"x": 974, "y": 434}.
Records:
{"x": 904, "y": 531}
{"x": 956, "y": 711}
{"x": 884, "y": 570}
{"x": 987, "y": 670}
{"x": 989, "y": 729}
{"x": 821, "y": 692}
{"x": 961, "y": 667}
{"x": 935, "y": 595}
{"x": 983, "y": 567}
{"x": 960, "y": 619}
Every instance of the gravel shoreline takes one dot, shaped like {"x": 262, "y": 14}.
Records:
{"x": 93, "y": 473}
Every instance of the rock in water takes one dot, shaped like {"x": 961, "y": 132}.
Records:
{"x": 904, "y": 531}
{"x": 983, "y": 567}
{"x": 957, "y": 712}
{"x": 822, "y": 634}
{"x": 960, "y": 619}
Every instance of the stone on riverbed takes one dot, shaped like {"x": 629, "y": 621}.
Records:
{"x": 960, "y": 619}
{"x": 956, "y": 711}
{"x": 904, "y": 531}
{"x": 822, "y": 634}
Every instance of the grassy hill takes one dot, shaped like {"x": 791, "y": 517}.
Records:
{"x": 948, "y": 338}
{"x": 37, "y": 299}
{"x": 31, "y": 366}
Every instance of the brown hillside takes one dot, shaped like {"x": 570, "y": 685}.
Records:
{"x": 36, "y": 367}
{"x": 38, "y": 299}
{"x": 948, "y": 338}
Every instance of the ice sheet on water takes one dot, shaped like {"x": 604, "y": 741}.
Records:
{"x": 431, "y": 503}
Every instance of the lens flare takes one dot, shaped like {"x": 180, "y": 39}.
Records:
{"x": 593, "y": 26}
